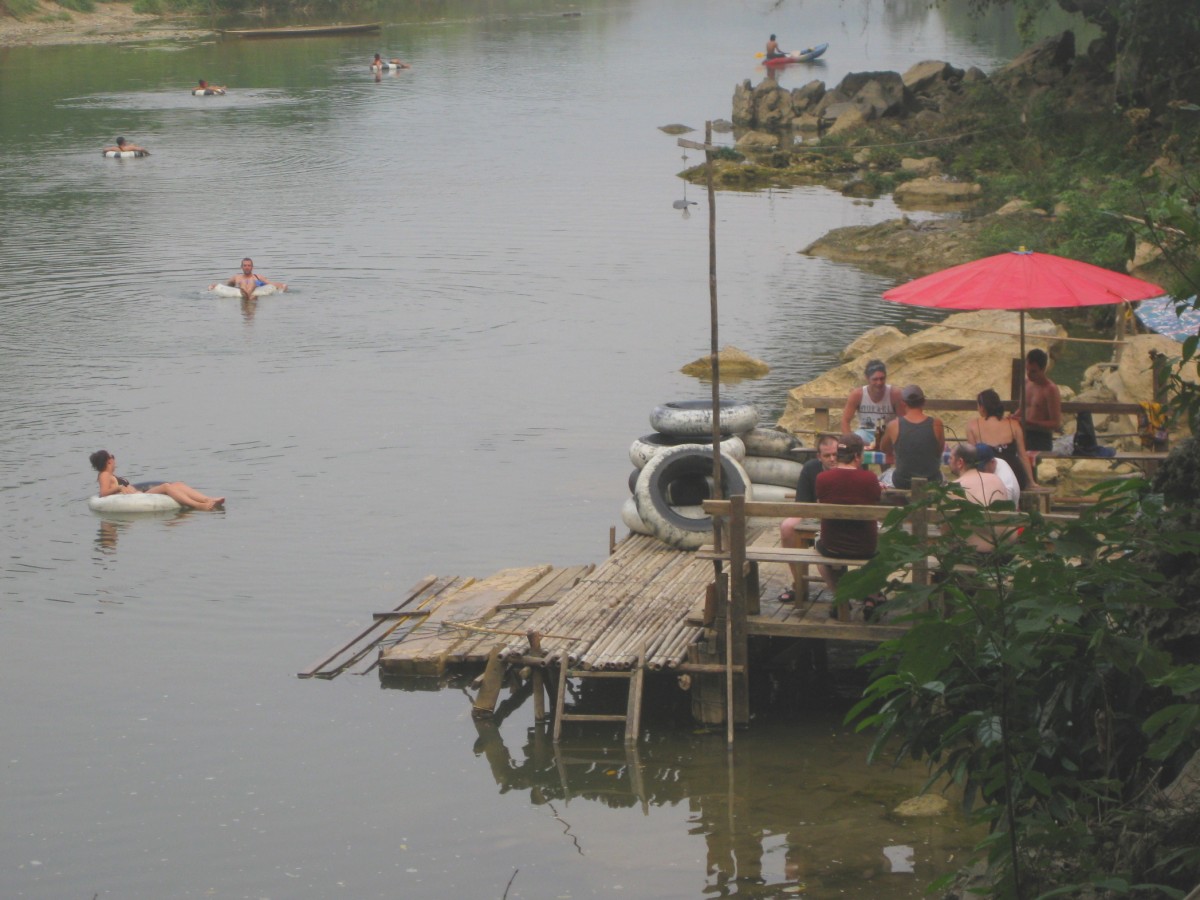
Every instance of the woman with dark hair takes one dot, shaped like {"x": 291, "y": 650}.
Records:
{"x": 105, "y": 463}
{"x": 1003, "y": 433}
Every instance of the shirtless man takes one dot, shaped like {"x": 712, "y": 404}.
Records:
{"x": 379, "y": 63}
{"x": 246, "y": 280}
{"x": 1043, "y": 402}
{"x": 123, "y": 145}
{"x": 875, "y": 403}
{"x": 210, "y": 88}
{"x": 773, "y": 50}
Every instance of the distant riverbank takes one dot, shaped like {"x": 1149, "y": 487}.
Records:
{"x": 109, "y": 23}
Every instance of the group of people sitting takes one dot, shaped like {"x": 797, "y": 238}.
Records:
{"x": 991, "y": 465}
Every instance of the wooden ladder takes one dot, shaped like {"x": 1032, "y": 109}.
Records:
{"x": 633, "y": 707}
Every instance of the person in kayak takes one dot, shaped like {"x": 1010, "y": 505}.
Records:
{"x": 105, "y": 463}
{"x": 773, "y": 51}
{"x": 246, "y": 280}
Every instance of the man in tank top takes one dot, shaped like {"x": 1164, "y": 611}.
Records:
{"x": 875, "y": 404}
{"x": 917, "y": 440}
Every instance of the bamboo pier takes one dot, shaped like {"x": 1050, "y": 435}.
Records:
{"x": 647, "y": 608}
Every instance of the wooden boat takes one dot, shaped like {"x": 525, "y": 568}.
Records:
{"x": 303, "y": 30}
{"x": 800, "y": 56}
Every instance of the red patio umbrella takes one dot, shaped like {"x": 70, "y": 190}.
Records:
{"x": 1022, "y": 280}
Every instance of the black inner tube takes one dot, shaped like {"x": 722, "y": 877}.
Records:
{"x": 688, "y": 476}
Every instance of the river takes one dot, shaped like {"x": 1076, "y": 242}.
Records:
{"x": 491, "y": 289}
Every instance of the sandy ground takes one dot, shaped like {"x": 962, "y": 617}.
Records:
{"x": 111, "y": 23}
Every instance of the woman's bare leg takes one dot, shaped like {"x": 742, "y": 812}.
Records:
{"x": 187, "y": 496}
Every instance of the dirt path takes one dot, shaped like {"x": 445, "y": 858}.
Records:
{"x": 110, "y": 23}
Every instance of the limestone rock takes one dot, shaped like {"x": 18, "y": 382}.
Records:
{"x": 1043, "y": 64}
{"x": 752, "y": 141}
{"x": 927, "y": 805}
{"x": 880, "y": 341}
{"x": 929, "y": 165}
{"x": 722, "y": 126}
{"x": 930, "y": 74}
{"x": 808, "y": 95}
{"x": 937, "y": 191}
{"x": 851, "y": 118}
{"x": 1014, "y": 206}
{"x": 733, "y": 361}
{"x": 676, "y": 129}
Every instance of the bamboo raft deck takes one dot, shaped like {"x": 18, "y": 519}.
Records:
{"x": 644, "y": 598}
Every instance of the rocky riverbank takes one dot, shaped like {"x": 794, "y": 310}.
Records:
{"x": 108, "y": 23}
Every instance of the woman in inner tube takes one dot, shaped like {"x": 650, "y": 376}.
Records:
{"x": 105, "y": 463}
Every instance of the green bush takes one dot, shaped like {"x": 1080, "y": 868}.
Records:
{"x": 1028, "y": 681}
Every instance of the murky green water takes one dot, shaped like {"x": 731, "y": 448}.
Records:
{"x": 491, "y": 291}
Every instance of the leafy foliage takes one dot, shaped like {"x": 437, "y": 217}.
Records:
{"x": 1027, "y": 680}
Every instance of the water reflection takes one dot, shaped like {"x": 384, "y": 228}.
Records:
{"x": 772, "y": 823}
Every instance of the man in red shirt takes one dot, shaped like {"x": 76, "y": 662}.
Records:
{"x": 847, "y": 483}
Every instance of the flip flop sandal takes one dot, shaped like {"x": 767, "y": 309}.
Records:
{"x": 788, "y": 596}
{"x": 871, "y": 607}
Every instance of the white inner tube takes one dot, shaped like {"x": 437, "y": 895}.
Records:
{"x": 645, "y": 448}
{"x": 694, "y": 417}
{"x": 683, "y": 474}
{"x": 631, "y": 519}
{"x": 771, "y": 470}
{"x": 207, "y": 92}
{"x": 772, "y": 493}
{"x": 132, "y": 503}
{"x": 124, "y": 154}
{"x": 263, "y": 290}
{"x": 767, "y": 441}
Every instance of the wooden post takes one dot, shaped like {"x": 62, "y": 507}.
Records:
{"x": 493, "y": 680}
{"x": 538, "y": 677}
{"x": 736, "y": 647}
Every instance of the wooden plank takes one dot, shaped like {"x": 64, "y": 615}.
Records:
{"x": 424, "y": 653}
{"x": 422, "y": 594}
{"x": 786, "y": 509}
{"x": 829, "y": 629}
{"x": 484, "y": 706}
{"x": 947, "y": 405}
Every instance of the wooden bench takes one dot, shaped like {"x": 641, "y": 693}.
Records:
{"x": 801, "y": 558}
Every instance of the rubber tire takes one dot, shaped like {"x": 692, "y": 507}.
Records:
{"x": 773, "y": 493}
{"x": 133, "y": 503}
{"x": 654, "y": 485}
{"x": 771, "y": 470}
{"x": 645, "y": 448}
{"x": 768, "y": 441}
{"x": 631, "y": 519}
{"x": 694, "y": 417}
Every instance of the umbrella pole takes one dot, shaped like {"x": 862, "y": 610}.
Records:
{"x": 1021, "y": 369}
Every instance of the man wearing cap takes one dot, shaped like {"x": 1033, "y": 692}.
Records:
{"x": 875, "y": 403}
{"x": 847, "y": 483}
{"x": 916, "y": 440}
{"x": 806, "y": 492}
{"x": 992, "y": 464}
{"x": 981, "y": 488}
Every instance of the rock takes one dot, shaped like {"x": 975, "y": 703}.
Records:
{"x": 733, "y": 362}
{"x": 930, "y": 75}
{"x": 901, "y": 246}
{"x": 1144, "y": 254}
{"x": 937, "y": 191}
{"x": 809, "y": 95}
{"x": 722, "y": 126}
{"x": 850, "y": 118}
{"x": 743, "y": 105}
{"x": 883, "y": 95}
{"x": 880, "y": 342}
{"x": 929, "y": 165}
{"x": 1045, "y": 63}
{"x": 974, "y": 75}
{"x": 676, "y": 129}
{"x": 772, "y": 106}
{"x": 753, "y": 141}
{"x": 1012, "y": 207}
{"x": 927, "y": 805}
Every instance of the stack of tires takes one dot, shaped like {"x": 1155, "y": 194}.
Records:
{"x": 673, "y": 468}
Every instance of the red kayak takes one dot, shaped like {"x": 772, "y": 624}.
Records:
{"x": 801, "y": 56}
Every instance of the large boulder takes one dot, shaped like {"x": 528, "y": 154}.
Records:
{"x": 936, "y": 192}
{"x": 809, "y": 95}
{"x": 931, "y": 75}
{"x": 1044, "y": 64}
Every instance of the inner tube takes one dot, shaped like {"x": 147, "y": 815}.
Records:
{"x": 125, "y": 154}
{"x": 207, "y": 92}
{"x": 648, "y": 446}
{"x": 694, "y": 417}
{"x": 682, "y": 474}
{"x": 263, "y": 290}
{"x": 766, "y": 440}
{"x": 132, "y": 503}
{"x": 772, "y": 470}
